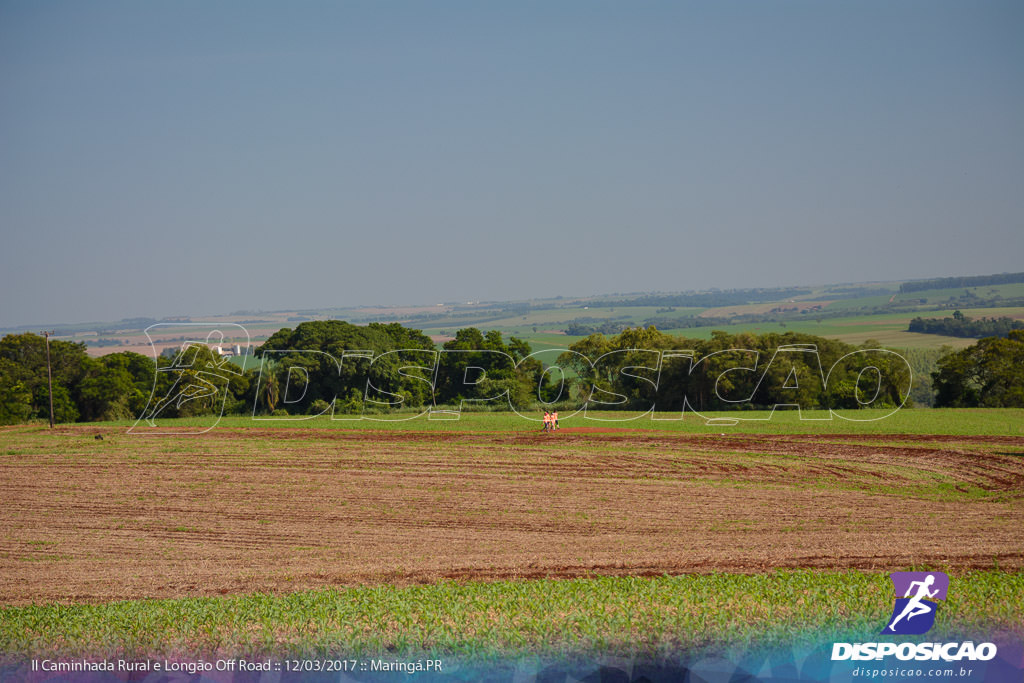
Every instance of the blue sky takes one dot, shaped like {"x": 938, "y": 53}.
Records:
{"x": 196, "y": 158}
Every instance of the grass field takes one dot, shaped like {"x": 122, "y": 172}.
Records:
{"x": 485, "y": 537}
{"x": 521, "y": 324}
{"x": 888, "y": 329}
{"x": 941, "y": 421}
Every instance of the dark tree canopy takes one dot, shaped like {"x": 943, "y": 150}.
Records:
{"x": 379, "y": 368}
{"x": 988, "y": 374}
{"x": 742, "y": 371}
{"x": 111, "y": 387}
{"x": 961, "y": 325}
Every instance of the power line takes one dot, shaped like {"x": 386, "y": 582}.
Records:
{"x": 49, "y": 372}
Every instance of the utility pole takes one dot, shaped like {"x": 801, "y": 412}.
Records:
{"x": 49, "y": 372}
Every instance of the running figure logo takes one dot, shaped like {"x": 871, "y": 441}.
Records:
{"x": 914, "y": 613}
{"x": 197, "y": 378}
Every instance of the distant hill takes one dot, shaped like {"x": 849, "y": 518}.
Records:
{"x": 850, "y": 312}
{"x": 951, "y": 282}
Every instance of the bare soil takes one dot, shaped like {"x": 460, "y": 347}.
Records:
{"x": 246, "y": 510}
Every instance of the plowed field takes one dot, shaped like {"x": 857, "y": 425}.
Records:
{"x": 244, "y": 510}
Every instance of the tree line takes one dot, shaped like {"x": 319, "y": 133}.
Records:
{"x": 385, "y": 367}
{"x": 388, "y": 366}
{"x": 112, "y": 387}
{"x": 643, "y": 368}
{"x": 379, "y": 367}
{"x": 961, "y": 325}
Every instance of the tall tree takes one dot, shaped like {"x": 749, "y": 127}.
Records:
{"x": 989, "y": 373}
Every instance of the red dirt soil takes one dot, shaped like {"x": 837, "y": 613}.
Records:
{"x": 248, "y": 510}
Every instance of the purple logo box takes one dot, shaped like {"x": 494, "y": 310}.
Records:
{"x": 901, "y": 582}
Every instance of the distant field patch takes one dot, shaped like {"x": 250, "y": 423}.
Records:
{"x": 889, "y": 330}
{"x": 794, "y": 306}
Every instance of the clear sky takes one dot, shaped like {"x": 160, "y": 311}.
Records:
{"x": 194, "y": 157}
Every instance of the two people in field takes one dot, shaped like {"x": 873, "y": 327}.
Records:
{"x": 550, "y": 421}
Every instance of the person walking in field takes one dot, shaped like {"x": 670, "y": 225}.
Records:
{"x": 554, "y": 420}
{"x": 547, "y": 420}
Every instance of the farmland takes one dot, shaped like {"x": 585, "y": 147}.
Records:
{"x": 250, "y": 509}
{"x": 873, "y": 311}
{"x": 242, "y": 509}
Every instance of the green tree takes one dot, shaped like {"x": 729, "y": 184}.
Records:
{"x": 988, "y": 374}
{"x": 115, "y": 386}
{"x": 15, "y": 393}
{"x": 319, "y": 346}
{"x": 270, "y": 391}
{"x": 26, "y": 370}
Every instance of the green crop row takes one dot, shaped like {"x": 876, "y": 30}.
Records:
{"x": 624, "y": 616}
